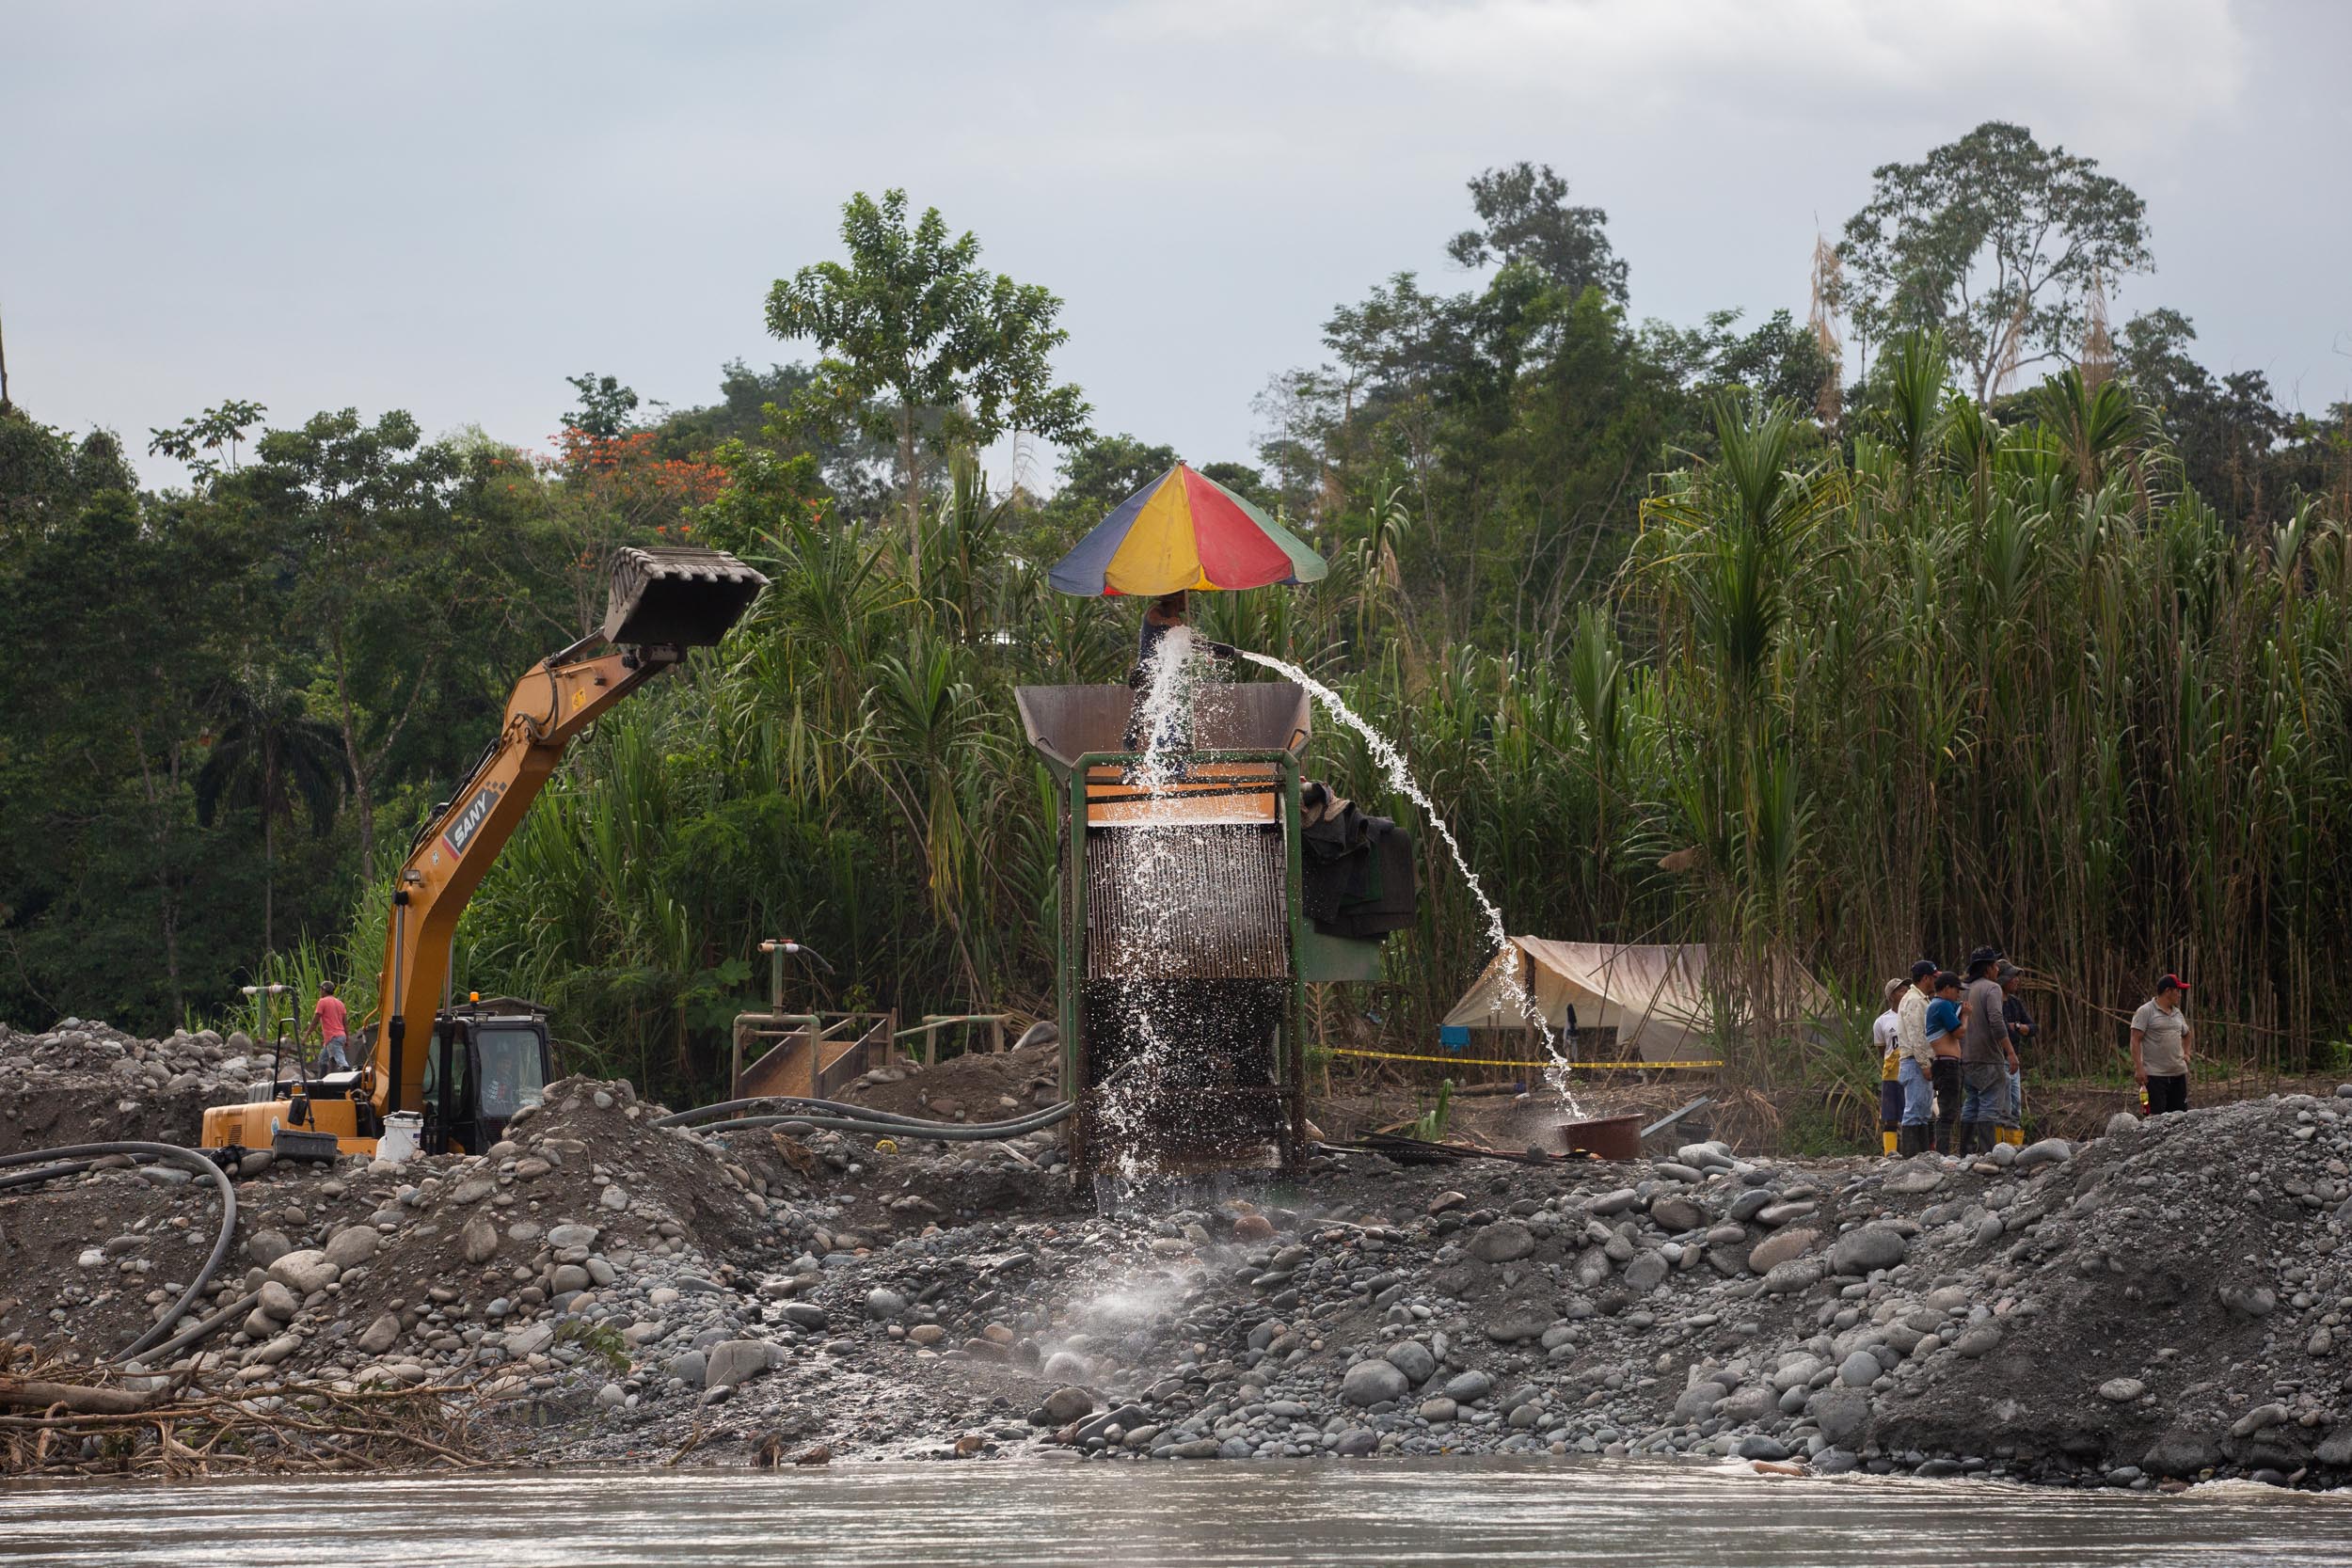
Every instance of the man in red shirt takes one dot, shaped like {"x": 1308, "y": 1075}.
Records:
{"x": 334, "y": 1029}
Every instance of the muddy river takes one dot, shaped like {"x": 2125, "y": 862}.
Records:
{"x": 1205, "y": 1517}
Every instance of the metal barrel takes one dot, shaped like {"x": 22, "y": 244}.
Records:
{"x": 676, "y": 595}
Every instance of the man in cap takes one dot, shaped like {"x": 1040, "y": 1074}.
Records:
{"x": 2160, "y": 1046}
{"x": 1983, "y": 1053}
{"x": 1915, "y": 1071}
{"x": 2021, "y": 1026}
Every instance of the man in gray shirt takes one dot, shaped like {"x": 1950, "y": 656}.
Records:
{"x": 1983, "y": 1053}
{"x": 2160, "y": 1044}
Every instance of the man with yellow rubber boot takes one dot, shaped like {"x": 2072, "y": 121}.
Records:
{"x": 1887, "y": 1036}
{"x": 2010, "y": 1124}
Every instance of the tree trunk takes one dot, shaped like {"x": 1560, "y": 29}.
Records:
{"x": 269, "y": 842}
{"x": 349, "y": 723}
{"x": 914, "y": 492}
{"x": 166, "y": 887}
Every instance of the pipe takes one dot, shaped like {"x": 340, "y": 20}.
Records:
{"x": 822, "y": 1107}
{"x": 163, "y": 1153}
{"x": 943, "y": 1131}
{"x": 210, "y": 1327}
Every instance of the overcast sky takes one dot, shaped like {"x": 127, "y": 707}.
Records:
{"x": 449, "y": 207}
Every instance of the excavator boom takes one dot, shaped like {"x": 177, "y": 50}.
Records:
{"x": 663, "y": 601}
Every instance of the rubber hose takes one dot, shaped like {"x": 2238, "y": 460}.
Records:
{"x": 163, "y": 1154}
{"x": 940, "y": 1131}
{"x": 210, "y": 1327}
{"x": 701, "y": 1114}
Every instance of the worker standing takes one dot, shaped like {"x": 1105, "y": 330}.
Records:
{"x": 2160, "y": 1046}
{"x": 1945, "y": 1036}
{"x": 1886, "y": 1036}
{"x": 1173, "y": 731}
{"x": 1984, "y": 1053}
{"x": 2021, "y": 1028}
{"x": 334, "y": 1029}
{"x": 1916, "y": 1073}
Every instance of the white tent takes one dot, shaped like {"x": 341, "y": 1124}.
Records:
{"x": 1654, "y": 995}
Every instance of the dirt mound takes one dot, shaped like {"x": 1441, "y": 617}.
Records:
{"x": 88, "y": 1083}
{"x": 975, "y": 1086}
{"x": 2177, "y": 1304}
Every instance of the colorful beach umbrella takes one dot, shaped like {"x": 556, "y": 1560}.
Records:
{"x": 1185, "y": 530}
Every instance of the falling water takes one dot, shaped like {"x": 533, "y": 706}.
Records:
{"x": 1164, "y": 717}
{"x": 1401, "y": 779}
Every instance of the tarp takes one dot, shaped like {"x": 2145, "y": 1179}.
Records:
{"x": 1654, "y": 995}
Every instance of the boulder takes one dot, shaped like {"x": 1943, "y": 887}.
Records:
{"x": 380, "y": 1336}
{"x": 1871, "y": 1248}
{"x": 2180, "y": 1453}
{"x": 1468, "y": 1387}
{"x": 530, "y": 1339}
{"x": 2249, "y": 1301}
{"x": 1373, "y": 1382}
{"x": 1646, "y": 1273}
{"x": 2121, "y": 1390}
{"x": 572, "y": 1234}
{"x": 1742, "y": 1406}
{"x": 305, "y": 1272}
{"x": 276, "y": 1303}
{"x": 1779, "y": 1248}
{"x": 1843, "y": 1415}
{"x": 267, "y": 1246}
{"x": 351, "y": 1246}
{"x": 1413, "y": 1358}
{"x": 1698, "y": 1402}
{"x": 1979, "y": 1341}
{"x": 1514, "y": 1322}
{"x": 1067, "y": 1404}
{"x": 479, "y": 1239}
{"x": 2049, "y": 1151}
{"x": 1678, "y": 1214}
{"x": 1504, "y": 1242}
{"x": 733, "y": 1361}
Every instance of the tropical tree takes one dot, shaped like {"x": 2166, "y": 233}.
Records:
{"x": 913, "y": 320}
{"x": 1999, "y": 240}
{"x": 270, "y": 756}
{"x": 361, "y": 513}
{"x": 1524, "y": 215}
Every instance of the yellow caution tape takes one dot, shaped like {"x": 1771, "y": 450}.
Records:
{"x": 1522, "y": 1061}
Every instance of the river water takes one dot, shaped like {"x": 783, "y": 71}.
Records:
{"x": 1223, "y": 1515}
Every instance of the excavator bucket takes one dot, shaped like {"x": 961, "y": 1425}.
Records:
{"x": 677, "y": 596}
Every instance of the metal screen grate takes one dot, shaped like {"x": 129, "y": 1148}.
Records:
{"x": 1186, "y": 903}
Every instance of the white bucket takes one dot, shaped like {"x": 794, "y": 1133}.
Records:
{"x": 403, "y": 1131}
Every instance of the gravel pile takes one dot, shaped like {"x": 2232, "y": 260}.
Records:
{"x": 2162, "y": 1303}
{"x": 87, "y": 1081}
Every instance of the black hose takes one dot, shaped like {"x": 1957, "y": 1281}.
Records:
{"x": 822, "y": 1107}
{"x": 939, "y": 1131}
{"x": 188, "y": 1158}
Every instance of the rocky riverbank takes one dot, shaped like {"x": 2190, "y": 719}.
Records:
{"x": 2159, "y": 1304}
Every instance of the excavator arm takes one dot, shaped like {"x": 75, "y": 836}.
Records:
{"x": 663, "y": 602}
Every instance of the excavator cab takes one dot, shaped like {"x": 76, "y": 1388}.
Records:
{"x": 487, "y": 1060}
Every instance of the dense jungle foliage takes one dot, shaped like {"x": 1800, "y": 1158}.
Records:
{"x": 1983, "y": 625}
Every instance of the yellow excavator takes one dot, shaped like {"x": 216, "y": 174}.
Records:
{"x": 461, "y": 1069}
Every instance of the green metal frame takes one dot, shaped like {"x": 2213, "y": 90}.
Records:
{"x": 1290, "y": 1052}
